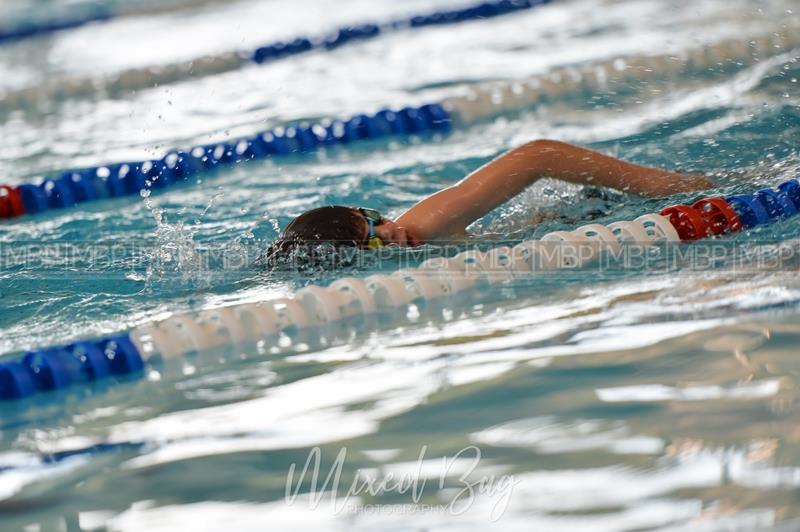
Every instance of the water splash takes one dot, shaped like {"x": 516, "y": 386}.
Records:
{"x": 176, "y": 251}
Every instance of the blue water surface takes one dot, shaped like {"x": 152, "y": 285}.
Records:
{"x": 658, "y": 398}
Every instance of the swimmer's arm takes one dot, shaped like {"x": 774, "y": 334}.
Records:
{"x": 451, "y": 210}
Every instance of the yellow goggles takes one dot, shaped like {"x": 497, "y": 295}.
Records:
{"x": 372, "y": 217}
{"x": 375, "y": 243}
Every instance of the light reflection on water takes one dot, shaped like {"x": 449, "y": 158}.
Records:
{"x": 638, "y": 401}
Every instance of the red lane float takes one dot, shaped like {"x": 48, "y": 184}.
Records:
{"x": 688, "y": 222}
{"x": 706, "y": 217}
{"x": 719, "y": 215}
{"x": 11, "y": 204}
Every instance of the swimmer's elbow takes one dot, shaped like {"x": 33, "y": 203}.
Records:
{"x": 544, "y": 146}
{"x": 545, "y": 155}
{"x": 539, "y": 158}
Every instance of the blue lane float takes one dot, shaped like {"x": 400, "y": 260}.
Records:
{"x": 776, "y": 202}
{"x": 60, "y": 367}
{"x": 130, "y": 178}
{"x": 750, "y": 210}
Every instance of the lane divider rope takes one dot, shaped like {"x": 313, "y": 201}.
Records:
{"x": 487, "y": 100}
{"x": 437, "y": 278}
{"x": 146, "y": 77}
{"x": 73, "y": 187}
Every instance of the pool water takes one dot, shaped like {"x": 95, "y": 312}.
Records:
{"x": 658, "y": 398}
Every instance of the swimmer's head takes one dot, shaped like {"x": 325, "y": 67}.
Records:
{"x": 331, "y": 228}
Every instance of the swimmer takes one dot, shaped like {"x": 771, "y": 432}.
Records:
{"x": 447, "y": 213}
